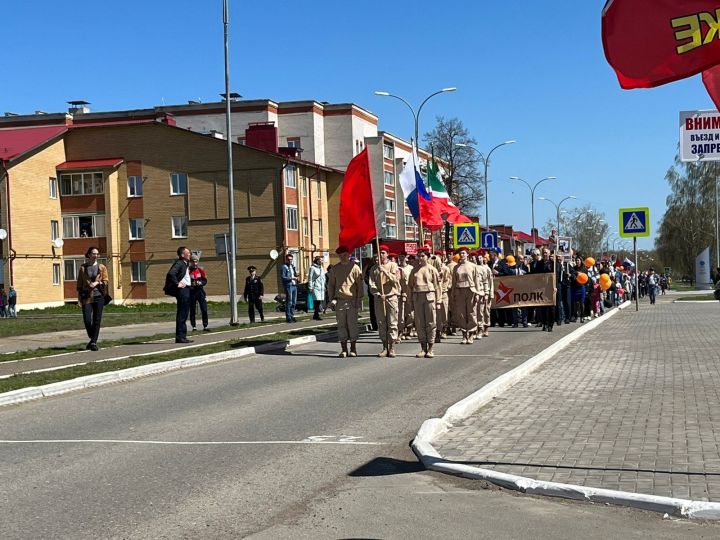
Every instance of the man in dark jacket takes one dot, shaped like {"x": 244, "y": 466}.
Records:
{"x": 253, "y": 294}
{"x": 544, "y": 265}
{"x": 177, "y": 284}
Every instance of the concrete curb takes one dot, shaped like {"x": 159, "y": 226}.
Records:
{"x": 434, "y": 427}
{"x": 100, "y": 379}
{"x": 694, "y": 301}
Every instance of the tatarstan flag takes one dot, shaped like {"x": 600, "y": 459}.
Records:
{"x": 653, "y": 42}
{"x": 440, "y": 195}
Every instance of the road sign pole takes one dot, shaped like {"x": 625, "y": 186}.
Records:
{"x": 637, "y": 269}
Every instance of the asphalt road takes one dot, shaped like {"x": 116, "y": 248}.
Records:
{"x": 301, "y": 444}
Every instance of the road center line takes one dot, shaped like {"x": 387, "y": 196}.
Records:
{"x": 182, "y": 443}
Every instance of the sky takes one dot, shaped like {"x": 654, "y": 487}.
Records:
{"x": 525, "y": 70}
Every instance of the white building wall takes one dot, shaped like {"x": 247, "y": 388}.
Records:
{"x": 299, "y": 125}
{"x": 204, "y": 123}
{"x": 339, "y": 142}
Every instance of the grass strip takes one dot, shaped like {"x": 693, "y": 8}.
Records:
{"x": 25, "y": 380}
{"x": 697, "y": 297}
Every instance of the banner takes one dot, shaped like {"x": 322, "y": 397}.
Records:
{"x": 524, "y": 291}
{"x": 702, "y": 270}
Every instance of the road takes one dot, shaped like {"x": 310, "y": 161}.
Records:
{"x": 300, "y": 444}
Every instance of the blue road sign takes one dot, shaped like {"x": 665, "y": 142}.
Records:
{"x": 466, "y": 235}
{"x": 489, "y": 239}
{"x": 634, "y": 222}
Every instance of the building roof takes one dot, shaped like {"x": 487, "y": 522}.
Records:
{"x": 525, "y": 237}
{"x": 89, "y": 164}
{"x": 16, "y": 142}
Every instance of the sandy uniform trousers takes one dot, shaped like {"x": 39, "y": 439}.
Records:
{"x": 344, "y": 285}
{"x": 424, "y": 282}
{"x": 465, "y": 296}
{"x": 387, "y": 281}
{"x": 441, "y": 317}
{"x": 406, "y": 317}
{"x": 346, "y": 314}
{"x": 485, "y": 286}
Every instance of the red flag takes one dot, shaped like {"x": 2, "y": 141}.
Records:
{"x": 653, "y": 42}
{"x": 357, "y": 209}
{"x": 711, "y": 80}
{"x": 430, "y": 213}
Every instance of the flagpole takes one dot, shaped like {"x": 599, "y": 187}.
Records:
{"x": 416, "y": 166}
{"x": 377, "y": 237}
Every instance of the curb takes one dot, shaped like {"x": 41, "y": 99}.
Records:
{"x": 23, "y": 395}
{"x": 434, "y": 427}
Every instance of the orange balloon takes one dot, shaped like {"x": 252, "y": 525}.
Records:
{"x": 605, "y": 285}
{"x": 605, "y": 278}
{"x": 589, "y": 262}
{"x": 582, "y": 278}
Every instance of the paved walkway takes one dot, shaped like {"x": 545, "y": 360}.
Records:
{"x": 633, "y": 405}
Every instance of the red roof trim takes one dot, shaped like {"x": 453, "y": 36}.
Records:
{"x": 89, "y": 164}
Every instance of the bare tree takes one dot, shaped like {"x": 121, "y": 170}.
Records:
{"x": 463, "y": 179}
{"x": 587, "y": 227}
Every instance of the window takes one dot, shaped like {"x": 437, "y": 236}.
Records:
{"x": 388, "y": 151}
{"x": 137, "y": 229}
{"x": 54, "y": 229}
{"x": 389, "y": 178}
{"x": 305, "y": 187}
{"x": 293, "y": 142}
{"x": 53, "y": 188}
{"x": 389, "y": 205}
{"x": 179, "y": 226}
{"x": 178, "y": 183}
{"x": 90, "y": 183}
{"x": 290, "y": 176}
{"x": 241, "y": 140}
{"x": 71, "y": 267}
{"x": 409, "y": 221}
{"x": 84, "y": 226}
{"x": 306, "y": 226}
{"x": 139, "y": 272}
{"x": 320, "y": 228}
{"x": 135, "y": 186}
{"x": 319, "y": 190}
{"x": 56, "y": 273}
{"x": 391, "y": 231}
{"x": 291, "y": 217}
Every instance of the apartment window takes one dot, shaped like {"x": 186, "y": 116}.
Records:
{"x": 72, "y": 266}
{"x": 84, "y": 226}
{"x": 137, "y": 229}
{"x": 304, "y": 187}
{"x": 90, "y": 183}
{"x": 389, "y": 205}
{"x": 291, "y": 217}
{"x": 293, "y": 142}
{"x": 391, "y": 231}
{"x": 306, "y": 226}
{"x": 56, "y": 273}
{"x": 409, "y": 221}
{"x": 389, "y": 178}
{"x": 135, "y": 186}
{"x": 320, "y": 228}
{"x": 319, "y": 190}
{"x": 179, "y": 226}
{"x": 54, "y": 229}
{"x": 53, "y": 188}
{"x": 388, "y": 151}
{"x": 178, "y": 183}
{"x": 139, "y": 272}
{"x": 290, "y": 176}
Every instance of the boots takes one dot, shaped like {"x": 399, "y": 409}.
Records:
{"x": 471, "y": 337}
{"x": 438, "y": 335}
{"x": 344, "y": 351}
{"x": 391, "y": 350}
{"x": 464, "y": 338}
{"x": 485, "y": 331}
{"x": 422, "y": 353}
{"x": 353, "y": 350}
{"x": 384, "y": 352}
{"x": 429, "y": 351}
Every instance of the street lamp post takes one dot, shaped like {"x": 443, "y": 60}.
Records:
{"x": 486, "y": 161}
{"x": 532, "y": 200}
{"x": 557, "y": 207}
{"x": 444, "y": 217}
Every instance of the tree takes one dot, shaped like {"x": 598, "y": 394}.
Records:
{"x": 463, "y": 179}
{"x": 587, "y": 227}
{"x": 685, "y": 229}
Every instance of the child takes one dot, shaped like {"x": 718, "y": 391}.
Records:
{"x": 595, "y": 298}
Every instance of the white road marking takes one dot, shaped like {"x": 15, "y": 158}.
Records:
{"x": 337, "y": 441}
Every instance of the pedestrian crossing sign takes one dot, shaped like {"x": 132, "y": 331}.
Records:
{"x": 466, "y": 235}
{"x": 634, "y": 222}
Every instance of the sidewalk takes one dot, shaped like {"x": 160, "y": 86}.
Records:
{"x": 140, "y": 347}
{"x": 634, "y": 405}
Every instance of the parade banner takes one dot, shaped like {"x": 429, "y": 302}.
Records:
{"x": 524, "y": 291}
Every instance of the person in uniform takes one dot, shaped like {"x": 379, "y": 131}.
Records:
{"x": 465, "y": 296}
{"x": 253, "y": 294}
{"x": 441, "y": 317}
{"x": 385, "y": 287}
{"x": 407, "y": 324}
{"x": 452, "y": 322}
{"x": 485, "y": 296}
{"x": 402, "y": 297}
{"x": 345, "y": 291}
{"x": 425, "y": 295}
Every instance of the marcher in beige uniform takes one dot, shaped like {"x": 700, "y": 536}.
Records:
{"x": 485, "y": 286}
{"x": 402, "y": 298}
{"x": 426, "y": 296}
{"x": 452, "y": 319}
{"x": 345, "y": 291}
{"x": 385, "y": 287}
{"x": 465, "y": 296}
{"x": 407, "y": 323}
{"x": 441, "y": 317}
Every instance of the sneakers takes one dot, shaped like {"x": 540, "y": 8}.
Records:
{"x": 383, "y": 353}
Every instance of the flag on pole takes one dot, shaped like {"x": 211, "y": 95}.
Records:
{"x": 653, "y": 42}
{"x": 418, "y": 200}
{"x": 357, "y": 208}
{"x": 440, "y": 195}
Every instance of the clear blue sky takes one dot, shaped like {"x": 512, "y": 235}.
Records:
{"x": 526, "y": 70}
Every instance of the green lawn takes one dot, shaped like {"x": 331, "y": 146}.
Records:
{"x": 46, "y": 377}
{"x": 698, "y": 297}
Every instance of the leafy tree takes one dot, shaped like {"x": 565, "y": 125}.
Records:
{"x": 463, "y": 179}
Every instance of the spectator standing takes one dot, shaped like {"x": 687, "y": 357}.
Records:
{"x": 651, "y": 283}
{"x": 92, "y": 282}
{"x": 316, "y": 285}
{"x": 545, "y": 315}
{"x": 289, "y": 278}
{"x": 12, "y": 302}
{"x": 3, "y": 303}
{"x": 198, "y": 280}
{"x": 177, "y": 284}
{"x": 253, "y": 294}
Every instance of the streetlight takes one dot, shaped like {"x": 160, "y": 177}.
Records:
{"x": 444, "y": 217}
{"x": 486, "y": 161}
{"x": 532, "y": 200}
{"x": 416, "y": 115}
{"x": 557, "y": 208}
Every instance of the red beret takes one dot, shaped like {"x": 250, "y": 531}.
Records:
{"x": 392, "y": 255}
{"x": 384, "y": 248}
{"x": 460, "y": 249}
{"x": 439, "y": 252}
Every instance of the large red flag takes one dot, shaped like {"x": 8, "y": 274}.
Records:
{"x": 711, "y": 80}
{"x": 653, "y": 42}
{"x": 357, "y": 209}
